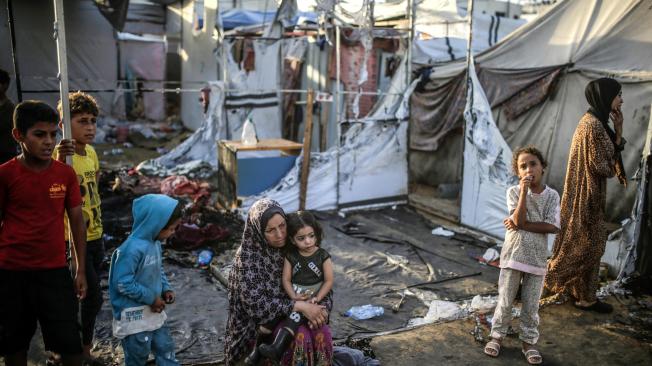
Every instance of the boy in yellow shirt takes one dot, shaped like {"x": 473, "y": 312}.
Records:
{"x": 83, "y": 116}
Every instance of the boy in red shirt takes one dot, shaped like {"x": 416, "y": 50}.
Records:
{"x": 35, "y": 282}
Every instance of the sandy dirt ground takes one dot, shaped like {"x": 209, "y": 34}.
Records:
{"x": 568, "y": 337}
{"x": 364, "y": 274}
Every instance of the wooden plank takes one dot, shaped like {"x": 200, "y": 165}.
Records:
{"x": 444, "y": 208}
{"x": 227, "y": 176}
{"x": 307, "y": 142}
{"x": 267, "y": 144}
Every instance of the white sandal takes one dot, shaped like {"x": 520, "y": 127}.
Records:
{"x": 532, "y": 356}
{"x": 492, "y": 348}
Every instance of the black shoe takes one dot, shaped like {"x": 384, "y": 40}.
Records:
{"x": 598, "y": 307}
{"x": 254, "y": 357}
{"x": 275, "y": 350}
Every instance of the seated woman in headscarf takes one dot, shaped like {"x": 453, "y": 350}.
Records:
{"x": 256, "y": 296}
{"x": 594, "y": 156}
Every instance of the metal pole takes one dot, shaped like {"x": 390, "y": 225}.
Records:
{"x": 470, "y": 40}
{"x": 412, "y": 15}
{"x": 469, "y": 94}
{"x": 60, "y": 38}
{"x": 12, "y": 32}
{"x": 408, "y": 77}
{"x": 338, "y": 110}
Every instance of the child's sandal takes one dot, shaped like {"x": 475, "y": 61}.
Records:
{"x": 533, "y": 356}
{"x": 492, "y": 348}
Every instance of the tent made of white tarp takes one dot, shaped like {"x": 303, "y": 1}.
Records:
{"x": 97, "y": 55}
{"x": 92, "y": 52}
{"x": 534, "y": 81}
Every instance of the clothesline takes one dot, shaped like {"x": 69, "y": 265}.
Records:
{"x": 195, "y": 90}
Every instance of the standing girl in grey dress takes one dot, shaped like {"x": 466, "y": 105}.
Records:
{"x": 534, "y": 212}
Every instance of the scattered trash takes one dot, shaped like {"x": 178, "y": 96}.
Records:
{"x": 204, "y": 257}
{"x": 481, "y": 322}
{"x": 397, "y": 306}
{"x": 491, "y": 255}
{"x": 192, "y": 169}
{"x": 483, "y": 304}
{"x": 440, "y": 310}
{"x": 395, "y": 259}
{"x": 364, "y": 312}
{"x": 127, "y": 145}
{"x": 115, "y": 151}
{"x": 440, "y": 231}
{"x": 612, "y": 288}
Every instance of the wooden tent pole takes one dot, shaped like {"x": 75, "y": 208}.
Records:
{"x": 307, "y": 144}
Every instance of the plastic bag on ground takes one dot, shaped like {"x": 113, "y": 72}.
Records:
{"x": 491, "y": 255}
{"x": 484, "y": 304}
{"x": 364, "y": 312}
{"x": 439, "y": 310}
{"x": 440, "y": 231}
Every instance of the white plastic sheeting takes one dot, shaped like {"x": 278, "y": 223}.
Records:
{"x": 253, "y": 99}
{"x": 487, "y": 157}
{"x": 201, "y": 144}
{"x": 442, "y": 42}
{"x": 621, "y": 250}
{"x": 373, "y": 161}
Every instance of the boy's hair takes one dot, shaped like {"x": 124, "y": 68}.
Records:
{"x": 527, "y": 150}
{"x": 4, "y": 77}
{"x": 176, "y": 215}
{"x": 30, "y": 112}
{"x": 300, "y": 219}
{"x": 80, "y": 102}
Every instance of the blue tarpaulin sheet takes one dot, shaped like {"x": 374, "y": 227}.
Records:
{"x": 237, "y": 17}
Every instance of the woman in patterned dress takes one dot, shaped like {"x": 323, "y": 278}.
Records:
{"x": 594, "y": 156}
{"x": 257, "y": 297}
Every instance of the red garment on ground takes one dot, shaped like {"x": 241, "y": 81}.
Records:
{"x": 179, "y": 185}
{"x": 32, "y": 205}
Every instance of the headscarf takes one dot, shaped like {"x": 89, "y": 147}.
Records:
{"x": 255, "y": 292}
{"x": 600, "y": 94}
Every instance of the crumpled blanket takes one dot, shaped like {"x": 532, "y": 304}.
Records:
{"x": 178, "y": 185}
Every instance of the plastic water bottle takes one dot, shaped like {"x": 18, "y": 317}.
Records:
{"x": 204, "y": 257}
{"x": 249, "y": 134}
{"x": 365, "y": 312}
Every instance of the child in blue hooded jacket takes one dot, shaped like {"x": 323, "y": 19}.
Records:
{"x": 138, "y": 287}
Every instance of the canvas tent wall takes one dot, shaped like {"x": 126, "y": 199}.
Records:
{"x": 92, "y": 52}
{"x": 442, "y": 30}
{"x": 97, "y": 59}
{"x": 534, "y": 80}
{"x": 198, "y": 59}
{"x": 373, "y": 149}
